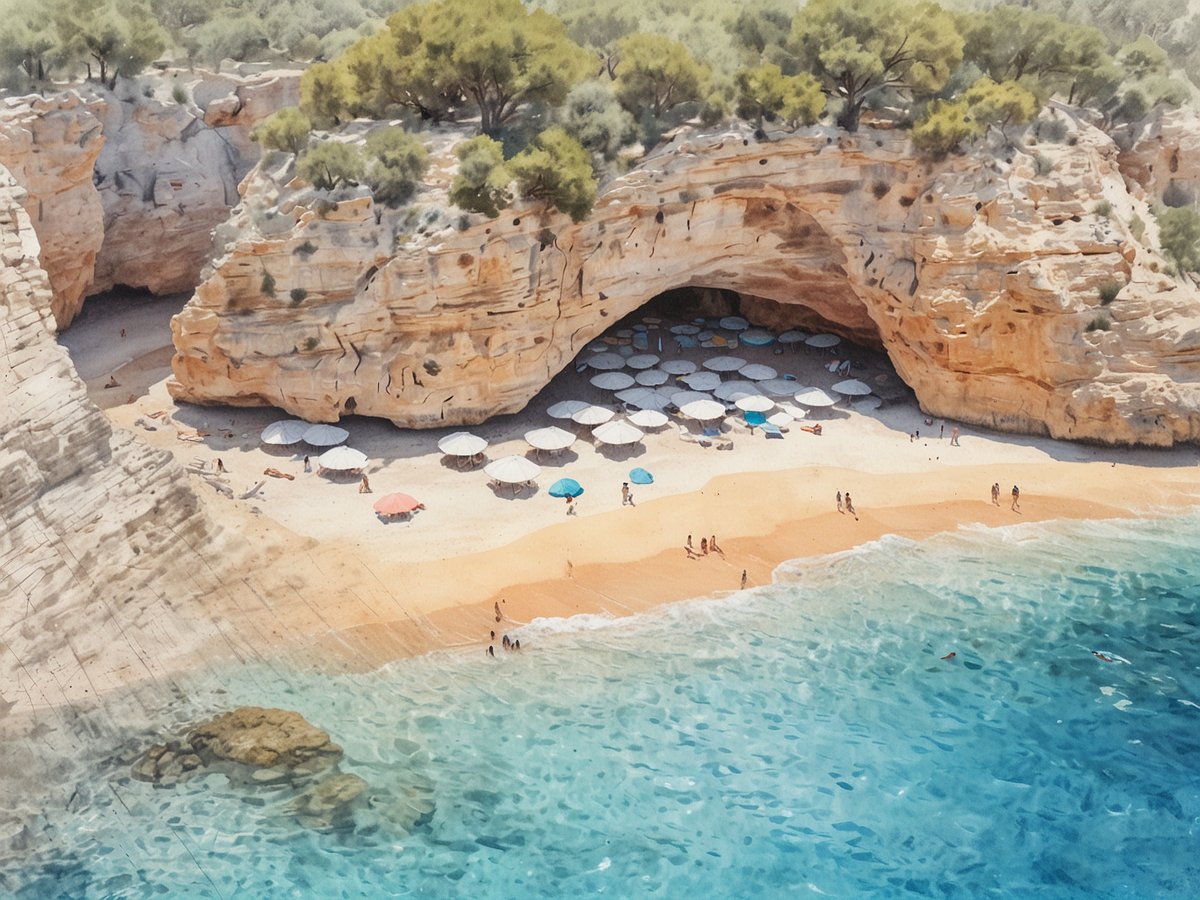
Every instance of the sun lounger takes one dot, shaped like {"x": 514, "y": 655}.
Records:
{"x": 772, "y": 431}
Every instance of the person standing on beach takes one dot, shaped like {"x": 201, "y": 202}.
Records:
{"x": 941, "y": 430}
{"x": 850, "y": 506}
{"x": 995, "y": 493}
{"x": 689, "y": 542}
{"x": 1016, "y": 501}
{"x": 704, "y": 546}
{"x": 570, "y": 505}
{"x": 743, "y": 579}
{"x": 839, "y": 502}
{"x": 954, "y": 436}
{"x": 626, "y": 494}
{"x": 364, "y": 486}
{"x": 307, "y": 465}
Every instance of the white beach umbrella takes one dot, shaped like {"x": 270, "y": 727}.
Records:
{"x": 325, "y": 435}
{"x": 814, "y": 397}
{"x": 791, "y": 409}
{"x": 852, "y": 387}
{"x": 793, "y": 337}
{"x": 551, "y": 438}
{"x": 612, "y": 381}
{"x": 513, "y": 470}
{"x": 683, "y": 398}
{"x": 678, "y": 366}
{"x": 780, "y": 419}
{"x": 702, "y": 381}
{"x": 593, "y": 415}
{"x": 462, "y": 443}
{"x": 778, "y": 387}
{"x": 734, "y": 323}
{"x": 644, "y": 398}
{"x": 341, "y": 459}
{"x": 823, "y": 340}
{"x": 724, "y": 363}
{"x": 288, "y": 431}
{"x": 757, "y": 372}
{"x": 564, "y": 409}
{"x": 731, "y": 390}
{"x": 652, "y": 377}
{"x": 648, "y": 418}
{"x": 754, "y": 403}
{"x": 642, "y": 361}
{"x": 684, "y": 329}
{"x": 757, "y": 337}
{"x": 606, "y": 362}
{"x": 617, "y": 433}
{"x": 704, "y": 410}
{"x": 868, "y": 404}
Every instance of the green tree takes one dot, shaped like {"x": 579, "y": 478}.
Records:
{"x": 764, "y": 92}
{"x": 237, "y": 36}
{"x": 30, "y": 48}
{"x": 997, "y": 105}
{"x": 288, "y": 129}
{"x": 1179, "y": 234}
{"x": 324, "y": 94}
{"x": 120, "y": 36}
{"x": 396, "y": 161}
{"x": 857, "y": 50}
{"x": 594, "y": 117}
{"x": 557, "y": 169}
{"x": 943, "y": 128}
{"x": 481, "y": 184}
{"x": 656, "y": 74}
{"x": 329, "y": 164}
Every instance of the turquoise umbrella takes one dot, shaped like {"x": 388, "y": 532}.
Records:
{"x": 641, "y": 476}
{"x": 566, "y": 487}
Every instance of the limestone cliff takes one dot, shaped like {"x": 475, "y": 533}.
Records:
{"x": 980, "y": 276}
{"x": 1163, "y": 155}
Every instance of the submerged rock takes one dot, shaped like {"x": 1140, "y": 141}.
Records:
{"x": 329, "y": 802}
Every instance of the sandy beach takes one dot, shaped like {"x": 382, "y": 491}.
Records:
{"x": 343, "y": 590}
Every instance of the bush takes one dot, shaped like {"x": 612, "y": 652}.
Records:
{"x": 268, "y": 284}
{"x": 179, "y": 94}
{"x": 310, "y": 343}
{"x": 396, "y": 161}
{"x": 481, "y": 184}
{"x": 1100, "y": 323}
{"x": 1103, "y": 209}
{"x": 558, "y": 170}
{"x": 943, "y": 128}
{"x": 1108, "y": 292}
{"x": 593, "y": 116}
{"x": 330, "y": 164}
{"x": 1043, "y": 165}
{"x": 298, "y": 294}
{"x": 1137, "y": 227}
{"x": 1179, "y": 233}
{"x": 288, "y": 130}
{"x": 308, "y": 248}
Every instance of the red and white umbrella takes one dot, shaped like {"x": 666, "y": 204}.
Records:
{"x": 396, "y": 504}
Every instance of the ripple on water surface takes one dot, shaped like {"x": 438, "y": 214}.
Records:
{"x": 802, "y": 737}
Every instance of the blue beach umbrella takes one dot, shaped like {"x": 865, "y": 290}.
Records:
{"x": 566, "y": 487}
{"x": 641, "y": 476}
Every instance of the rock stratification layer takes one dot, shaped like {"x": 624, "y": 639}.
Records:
{"x": 981, "y": 276}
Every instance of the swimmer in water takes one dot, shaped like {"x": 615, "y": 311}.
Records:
{"x": 950, "y": 655}
{"x": 1100, "y": 656}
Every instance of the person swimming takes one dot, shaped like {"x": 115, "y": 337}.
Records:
{"x": 950, "y": 655}
{"x": 1100, "y": 656}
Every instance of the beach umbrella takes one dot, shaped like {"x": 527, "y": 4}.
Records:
{"x": 684, "y": 329}
{"x": 731, "y": 390}
{"x": 564, "y": 409}
{"x": 643, "y": 398}
{"x": 648, "y": 418}
{"x": 606, "y": 361}
{"x": 325, "y": 435}
{"x": 702, "y": 381}
{"x": 852, "y": 387}
{"x": 823, "y": 340}
{"x": 814, "y": 397}
{"x": 793, "y": 337}
{"x": 612, "y": 381}
{"x": 686, "y": 342}
{"x": 640, "y": 476}
{"x": 342, "y": 459}
{"x": 778, "y": 387}
{"x": 757, "y": 372}
{"x": 754, "y": 403}
{"x": 551, "y": 438}
{"x": 682, "y": 398}
{"x": 757, "y": 337}
{"x": 724, "y": 363}
{"x": 791, "y": 409}
{"x": 642, "y": 361}
{"x": 704, "y": 410}
{"x": 780, "y": 419}
{"x": 734, "y": 323}
{"x": 565, "y": 487}
{"x": 288, "y": 431}
{"x": 513, "y": 470}
{"x": 868, "y": 404}
{"x": 593, "y": 415}
{"x": 462, "y": 443}
{"x": 678, "y": 367}
{"x": 395, "y": 504}
{"x": 617, "y": 433}
{"x": 652, "y": 377}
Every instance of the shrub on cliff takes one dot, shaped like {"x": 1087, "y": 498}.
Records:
{"x": 557, "y": 169}
{"x": 481, "y": 184}
{"x": 656, "y": 74}
{"x": 1179, "y": 234}
{"x": 396, "y": 161}
{"x": 594, "y": 117}
{"x": 330, "y": 164}
{"x": 764, "y": 92}
{"x": 288, "y": 129}
{"x": 943, "y": 128}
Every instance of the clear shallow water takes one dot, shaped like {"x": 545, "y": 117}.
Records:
{"x": 803, "y": 738}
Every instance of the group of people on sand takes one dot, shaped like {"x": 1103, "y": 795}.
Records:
{"x": 1016, "y": 496}
{"x": 707, "y": 545}
{"x": 506, "y": 643}
{"x": 846, "y": 505}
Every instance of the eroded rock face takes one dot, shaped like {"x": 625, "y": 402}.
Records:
{"x": 979, "y": 276}
{"x": 1164, "y": 156}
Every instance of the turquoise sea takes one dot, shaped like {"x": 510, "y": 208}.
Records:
{"x": 800, "y": 739}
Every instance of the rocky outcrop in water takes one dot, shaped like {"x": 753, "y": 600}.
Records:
{"x": 984, "y": 277}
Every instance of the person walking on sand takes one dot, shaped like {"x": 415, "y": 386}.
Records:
{"x": 626, "y": 494}
{"x": 954, "y": 436}
{"x": 364, "y": 486}
{"x": 704, "y": 546}
{"x": 689, "y": 542}
{"x": 995, "y": 493}
{"x": 1016, "y": 501}
{"x": 941, "y": 430}
{"x": 570, "y": 505}
{"x": 743, "y": 579}
{"x": 307, "y": 465}
{"x": 850, "y": 506}
{"x": 841, "y": 509}
{"x": 220, "y": 465}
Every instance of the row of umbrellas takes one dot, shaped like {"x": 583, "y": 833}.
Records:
{"x": 569, "y": 487}
{"x": 293, "y": 431}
